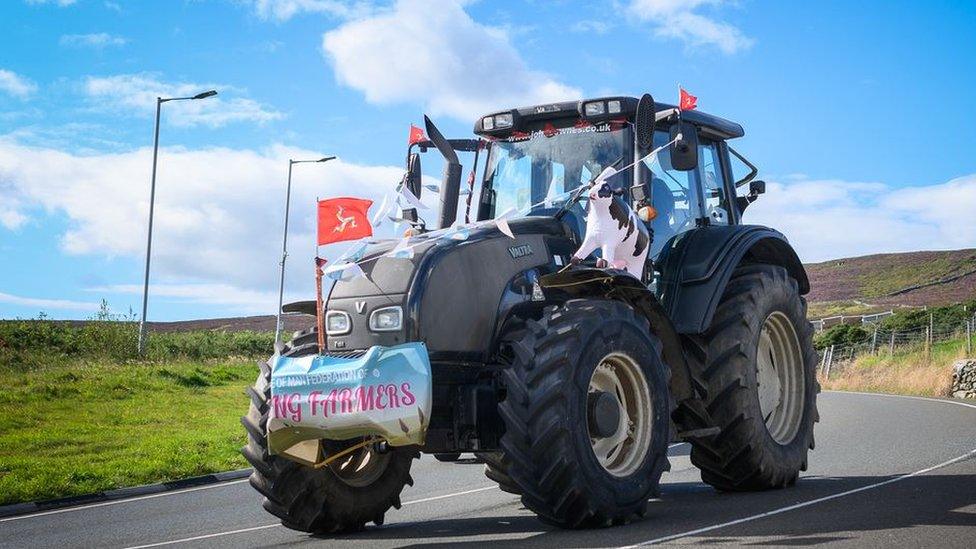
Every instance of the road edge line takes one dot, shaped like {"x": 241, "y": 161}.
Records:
{"x": 31, "y": 509}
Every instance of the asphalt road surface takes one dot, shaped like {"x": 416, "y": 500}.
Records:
{"x": 887, "y": 471}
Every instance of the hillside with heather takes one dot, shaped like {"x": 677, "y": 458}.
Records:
{"x": 880, "y": 282}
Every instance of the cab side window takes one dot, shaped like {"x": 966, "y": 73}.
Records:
{"x": 714, "y": 194}
{"x": 674, "y": 195}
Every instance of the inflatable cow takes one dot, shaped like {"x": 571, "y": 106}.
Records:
{"x": 614, "y": 228}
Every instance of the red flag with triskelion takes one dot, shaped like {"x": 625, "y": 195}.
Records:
{"x": 343, "y": 219}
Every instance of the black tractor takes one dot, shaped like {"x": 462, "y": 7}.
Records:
{"x": 567, "y": 379}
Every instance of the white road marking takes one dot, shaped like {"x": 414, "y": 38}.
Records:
{"x": 910, "y": 397}
{"x": 266, "y": 526}
{"x": 126, "y": 500}
{"x": 205, "y": 536}
{"x": 781, "y": 510}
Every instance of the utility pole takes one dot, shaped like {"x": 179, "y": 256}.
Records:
{"x": 284, "y": 243}
{"x": 152, "y": 204}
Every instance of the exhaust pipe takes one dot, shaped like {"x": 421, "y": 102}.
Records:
{"x": 451, "y": 181}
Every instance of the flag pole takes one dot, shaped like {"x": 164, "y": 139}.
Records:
{"x": 319, "y": 305}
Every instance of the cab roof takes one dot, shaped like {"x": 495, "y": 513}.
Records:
{"x": 711, "y": 125}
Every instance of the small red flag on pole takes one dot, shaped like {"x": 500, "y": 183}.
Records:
{"x": 687, "y": 102}
{"x": 416, "y": 135}
{"x": 343, "y": 219}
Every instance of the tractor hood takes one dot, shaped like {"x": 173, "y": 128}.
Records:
{"x": 451, "y": 290}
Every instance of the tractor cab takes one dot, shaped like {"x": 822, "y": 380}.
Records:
{"x": 538, "y": 155}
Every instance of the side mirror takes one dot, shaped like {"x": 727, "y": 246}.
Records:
{"x": 644, "y": 122}
{"x": 414, "y": 173}
{"x": 412, "y": 180}
{"x": 757, "y": 187}
{"x": 684, "y": 152}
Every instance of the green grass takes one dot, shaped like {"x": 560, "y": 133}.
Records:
{"x": 81, "y": 427}
{"x": 80, "y": 412}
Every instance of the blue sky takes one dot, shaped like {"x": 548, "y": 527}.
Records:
{"x": 860, "y": 116}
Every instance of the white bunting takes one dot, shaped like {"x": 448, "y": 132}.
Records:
{"x": 403, "y": 250}
{"x": 381, "y": 212}
{"x": 411, "y": 199}
{"x": 502, "y": 223}
{"x": 344, "y": 271}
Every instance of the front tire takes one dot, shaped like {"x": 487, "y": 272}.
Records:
{"x": 758, "y": 368}
{"x": 341, "y": 497}
{"x": 574, "y": 460}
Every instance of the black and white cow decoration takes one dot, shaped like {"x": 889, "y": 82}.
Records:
{"x": 614, "y": 228}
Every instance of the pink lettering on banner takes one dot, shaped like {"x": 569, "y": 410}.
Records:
{"x": 313, "y": 402}
{"x": 287, "y": 406}
{"x": 295, "y": 406}
{"x": 408, "y": 398}
{"x": 364, "y": 398}
{"x": 391, "y": 390}
{"x": 345, "y": 407}
{"x": 344, "y": 401}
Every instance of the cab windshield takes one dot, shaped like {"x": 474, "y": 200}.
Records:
{"x": 539, "y": 171}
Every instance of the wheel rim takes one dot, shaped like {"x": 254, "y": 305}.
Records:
{"x": 361, "y": 467}
{"x": 624, "y": 451}
{"x": 780, "y": 382}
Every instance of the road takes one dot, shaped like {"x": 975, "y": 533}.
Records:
{"x": 887, "y": 471}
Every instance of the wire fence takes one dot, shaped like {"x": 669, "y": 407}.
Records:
{"x": 888, "y": 342}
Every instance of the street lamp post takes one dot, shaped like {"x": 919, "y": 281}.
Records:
{"x": 284, "y": 243}
{"x": 152, "y": 203}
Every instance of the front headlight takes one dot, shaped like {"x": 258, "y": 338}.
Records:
{"x": 387, "y": 319}
{"x": 337, "y": 323}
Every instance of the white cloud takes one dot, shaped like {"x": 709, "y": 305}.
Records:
{"x": 678, "y": 19}
{"x": 435, "y": 53}
{"x": 48, "y": 303}
{"x": 137, "y": 93}
{"x": 283, "y": 10}
{"x": 827, "y": 219}
{"x": 218, "y": 212}
{"x": 97, "y": 40}
{"x": 16, "y": 85}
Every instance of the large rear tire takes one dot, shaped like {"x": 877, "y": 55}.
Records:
{"x": 587, "y": 415}
{"x": 758, "y": 368}
{"x": 341, "y": 497}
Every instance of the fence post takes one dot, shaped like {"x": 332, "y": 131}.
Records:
{"x": 891, "y": 344}
{"x": 823, "y": 361}
{"x": 830, "y": 358}
{"x": 969, "y": 339}
{"x": 874, "y": 340}
{"x": 928, "y": 342}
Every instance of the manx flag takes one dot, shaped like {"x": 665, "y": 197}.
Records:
{"x": 687, "y": 102}
{"x": 416, "y": 135}
{"x": 343, "y": 219}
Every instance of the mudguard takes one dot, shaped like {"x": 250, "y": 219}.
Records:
{"x": 697, "y": 265}
{"x": 616, "y": 284}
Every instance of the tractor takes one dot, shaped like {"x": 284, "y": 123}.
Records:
{"x": 568, "y": 378}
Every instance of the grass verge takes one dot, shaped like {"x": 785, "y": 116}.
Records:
{"x": 910, "y": 371}
{"x": 81, "y": 427}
